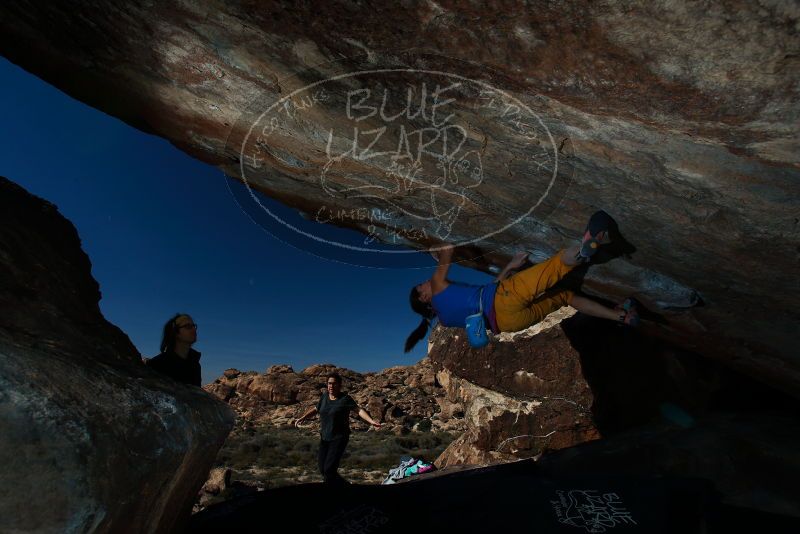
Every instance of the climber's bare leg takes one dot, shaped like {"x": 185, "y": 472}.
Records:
{"x": 595, "y": 309}
{"x": 570, "y": 255}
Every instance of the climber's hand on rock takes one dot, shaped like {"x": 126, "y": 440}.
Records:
{"x": 445, "y": 252}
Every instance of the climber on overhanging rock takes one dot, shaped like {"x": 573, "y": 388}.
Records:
{"x": 515, "y": 303}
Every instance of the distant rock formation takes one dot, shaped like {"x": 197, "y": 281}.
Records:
{"x": 404, "y": 398}
{"x": 90, "y": 439}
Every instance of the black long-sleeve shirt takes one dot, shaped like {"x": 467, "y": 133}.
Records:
{"x": 186, "y": 370}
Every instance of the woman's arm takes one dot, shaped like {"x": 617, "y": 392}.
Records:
{"x": 439, "y": 279}
{"x": 516, "y": 261}
{"x": 311, "y": 411}
{"x": 362, "y": 413}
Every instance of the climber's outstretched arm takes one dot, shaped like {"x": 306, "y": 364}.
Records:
{"x": 363, "y": 414}
{"x": 439, "y": 278}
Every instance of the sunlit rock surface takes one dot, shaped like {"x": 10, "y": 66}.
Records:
{"x": 90, "y": 439}
{"x": 519, "y": 397}
{"x": 680, "y": 120}
{"x": 403, "y": 398}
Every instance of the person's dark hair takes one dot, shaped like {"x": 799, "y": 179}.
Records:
{"x": 170, "y": 330}
{"x": 427, "y": 313}
{"x": 335, "y": 376}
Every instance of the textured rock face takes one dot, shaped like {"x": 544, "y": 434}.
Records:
{"x": 520, "y": 397}
{"x": 680, "y": 120}
{"x": 404, "y": 398}
{"x": 572, "y": 379}
{"x": 91, "y": 440}
{"x": 503, "y": 428}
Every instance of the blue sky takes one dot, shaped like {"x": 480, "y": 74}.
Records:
{"x": 165, "y": 234}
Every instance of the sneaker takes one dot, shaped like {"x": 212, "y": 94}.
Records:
{"x": 596, "y": 234}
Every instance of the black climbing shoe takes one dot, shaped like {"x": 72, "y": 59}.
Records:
{"x": 596, "y": 234}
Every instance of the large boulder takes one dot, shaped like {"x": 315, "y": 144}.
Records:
{"x": 504, "y": 427}
{"x": 520, "y": 396}
{"x": 91, "y": 440}
{"x": 572, "y": 379}
{"x": 680, "y": 119}
{"x": 277, "y": 388}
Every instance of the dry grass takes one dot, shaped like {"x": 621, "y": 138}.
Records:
{"x": 281, "y": 456}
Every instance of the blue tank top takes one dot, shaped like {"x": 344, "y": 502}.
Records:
{"x": 459, "y": 300}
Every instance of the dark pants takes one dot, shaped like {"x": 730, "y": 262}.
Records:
{"x": 330, "y": 453}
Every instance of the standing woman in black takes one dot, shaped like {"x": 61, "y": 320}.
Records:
{"x": 178, "y": 359}
{"x": 334, "y": 415}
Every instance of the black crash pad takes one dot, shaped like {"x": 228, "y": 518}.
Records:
{"x": 514, "y": 497}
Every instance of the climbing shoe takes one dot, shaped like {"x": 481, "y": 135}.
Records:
{"x": 629, "y": 311}
{"x": 596, "y": 234}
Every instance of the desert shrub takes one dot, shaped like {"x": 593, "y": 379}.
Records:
{"x": 271, "y": 451}
{"x": 303, "y": 446}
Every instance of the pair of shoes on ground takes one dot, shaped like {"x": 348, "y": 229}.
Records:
{"x": 629, "y": 312}
{"x": 596, "y": 234}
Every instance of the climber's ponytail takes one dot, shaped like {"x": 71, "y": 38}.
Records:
{"x": 427, "y": 313}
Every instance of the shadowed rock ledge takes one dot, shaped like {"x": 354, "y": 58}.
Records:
{"x": 500, "y": 498}
{"x": 90, "y": 440}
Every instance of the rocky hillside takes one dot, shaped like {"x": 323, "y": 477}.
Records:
{"x": 265, "y": 451}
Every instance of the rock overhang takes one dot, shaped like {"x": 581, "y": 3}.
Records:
{"x": 689, "y": 139}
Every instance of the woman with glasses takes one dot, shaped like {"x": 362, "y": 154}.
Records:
{"x": 524, "y": 299}
{"x": 178, "y": 359}
{"x": 334, "y": 409}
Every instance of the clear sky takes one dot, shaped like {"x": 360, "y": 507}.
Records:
{"x": 165, "y": 235}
